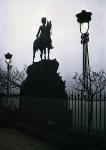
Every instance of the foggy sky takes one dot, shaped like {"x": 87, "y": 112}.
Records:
{"x": 20, "y": 21}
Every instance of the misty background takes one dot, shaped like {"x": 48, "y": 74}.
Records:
{"x": 20, "y": 21}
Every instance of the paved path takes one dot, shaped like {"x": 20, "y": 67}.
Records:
{"x": 11, "y": 139}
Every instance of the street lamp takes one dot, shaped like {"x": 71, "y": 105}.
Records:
{"x": 83, "y": 19}
{"x": 8, "y": 57}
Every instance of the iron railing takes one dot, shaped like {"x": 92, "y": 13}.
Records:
{"x": 88, "y": 115}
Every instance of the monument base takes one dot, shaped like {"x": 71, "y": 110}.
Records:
{"x": 43, "y": 98}
{"x": 40, "y": 111}
{"x": 43, "y": 80}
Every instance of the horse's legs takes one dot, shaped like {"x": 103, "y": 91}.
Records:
{"x": 41, "y": 54}
{"x": 33, "y": 55}
{"x": 45, "y": 53}
{"x": 48, "y": 52}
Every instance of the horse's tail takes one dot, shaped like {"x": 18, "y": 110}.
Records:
{"x": 34, "y": 49}
{"x": 34, "y": 46}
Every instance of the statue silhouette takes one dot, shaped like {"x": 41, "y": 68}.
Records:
{"x": 43, "y": 40}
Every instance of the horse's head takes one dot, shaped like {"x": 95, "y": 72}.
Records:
{"x": 49, "y": 25}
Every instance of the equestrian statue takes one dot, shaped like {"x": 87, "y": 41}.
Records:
{"x": 43, "y": 39}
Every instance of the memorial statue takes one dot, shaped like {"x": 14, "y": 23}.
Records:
{"x": 43, "y": 40}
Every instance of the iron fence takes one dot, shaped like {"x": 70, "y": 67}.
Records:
{"x": 88, "y": 115}
{"x": 84, "y": 122}
{"x": 10, "y": 101}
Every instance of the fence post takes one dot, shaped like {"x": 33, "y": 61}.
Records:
{"x": 90, "y": 114}
{"x": 104, "y": 115}
{"x": 81, "y": 112}
{"x": 75, "y": 114}
{"x": 96, "y": 113}
{"x": 100, "y": 111}
{"x": 72, "y": 113}
{"x": 78, "y": 112}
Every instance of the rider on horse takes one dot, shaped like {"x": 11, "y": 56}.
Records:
{"x": 43, "y": 40}
{"x": 41, "y": 32}
{"x": 41, "y": 35}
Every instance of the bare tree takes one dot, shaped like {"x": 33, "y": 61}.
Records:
{"x": 96, "y": 83}
{"x": 16, "y": 77}
{"x": 3, "y": 81}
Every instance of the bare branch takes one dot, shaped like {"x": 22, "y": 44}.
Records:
{"x": 96, "y": 82}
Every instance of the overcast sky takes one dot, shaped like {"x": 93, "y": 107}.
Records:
{"x": 20, "y": 20}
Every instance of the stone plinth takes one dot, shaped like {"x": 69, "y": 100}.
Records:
{"x": 43, "y": 80}
{"x": 43, "y": 98}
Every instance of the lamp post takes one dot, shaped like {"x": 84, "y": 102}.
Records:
{"x": 83, "y": 19}
{"x": 8, "y": 57}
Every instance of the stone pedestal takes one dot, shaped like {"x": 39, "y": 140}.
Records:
{"x": 43, "y": 80}
{"x": 43, "y": 97}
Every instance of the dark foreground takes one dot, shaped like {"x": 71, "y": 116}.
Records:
{"x": 19, "y": 135}
{"x": 11, "y": 139}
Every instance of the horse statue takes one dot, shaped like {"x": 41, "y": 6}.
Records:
{"x": 43, "y": 40}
